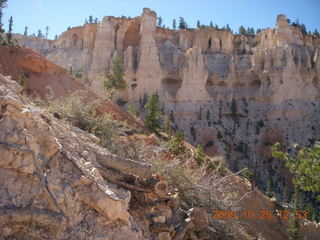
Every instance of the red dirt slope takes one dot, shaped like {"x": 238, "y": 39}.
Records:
{"x": 44, "y": 77}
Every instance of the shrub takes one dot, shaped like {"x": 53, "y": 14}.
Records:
{"x": 199, "y": 155}
{"x": 246, "y": 173}
{"x": 132, "y": 109}
{"x": 175, "y": 144}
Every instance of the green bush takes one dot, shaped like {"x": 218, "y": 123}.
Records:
{"x": 199, "y": 155}
{"x": 132, "y": 109}
{"x": 246, "y": 173}
{"x": 175, "y": 144}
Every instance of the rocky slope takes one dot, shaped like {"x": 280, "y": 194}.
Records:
{"x": 234, "y": 94}
{"x": 57, "y": 183}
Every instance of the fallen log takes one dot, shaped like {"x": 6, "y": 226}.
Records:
{"x": 117, "y": 178}
{"x": 142, "y": 170}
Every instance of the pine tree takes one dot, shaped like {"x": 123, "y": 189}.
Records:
{"x": 25, "y": 31}
{"x": 154, "y": 114}
{"x": 47, "y": 31}
{"x": 55, "y": 37}
{"x": 303, "y": 28}
{"x": 3, "y": 4}
{"x": 305, "y": 166}
{"x": 40, "y": 35}
{"x": 68, "y": 28}
{"x": 311, "y": 212}
{"x": 114, "y": 78}
{"x": 90, "y": 19}
{"x": 242, "y": 30}
{"x": 228, "y": 28}
{"x": 293, "y": 229}
{"x": 159, "y": 21}
{"x": 9, "y": 34}
{"x": 211, "y": 24}
{"x": 269, "y": 189}
{"x": 86, "y": 21}
{"x": 96, "y": 20}
{"x": 175, "y": 144}
{"x": 174, "y": 24}
{"x": 198, "y": 24}
{"x": 182, "y": 23}
{"x": 316, "y": 33}
{"x": 167, "y": 125}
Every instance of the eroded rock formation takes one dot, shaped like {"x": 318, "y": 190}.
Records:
{"x": 234, "y": 94}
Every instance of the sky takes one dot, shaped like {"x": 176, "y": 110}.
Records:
{"x": 59, "y": 14}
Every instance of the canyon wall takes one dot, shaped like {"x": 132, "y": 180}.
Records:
{"x": 234, "y": 94}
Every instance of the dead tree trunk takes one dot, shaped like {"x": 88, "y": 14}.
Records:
{"x": 142, "y": 170}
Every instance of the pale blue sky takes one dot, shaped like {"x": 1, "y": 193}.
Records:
{"x": 59, "y": 14}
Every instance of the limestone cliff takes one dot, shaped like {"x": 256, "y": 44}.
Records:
{"x": 234, "y": 94}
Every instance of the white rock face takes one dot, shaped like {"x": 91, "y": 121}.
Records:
{"x": 149, "y": 71}
{"x": 194, "y": 77}
{"x": 103, "y": 51}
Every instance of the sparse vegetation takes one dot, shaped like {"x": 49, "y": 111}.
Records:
{"x": 79, "y": 110}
